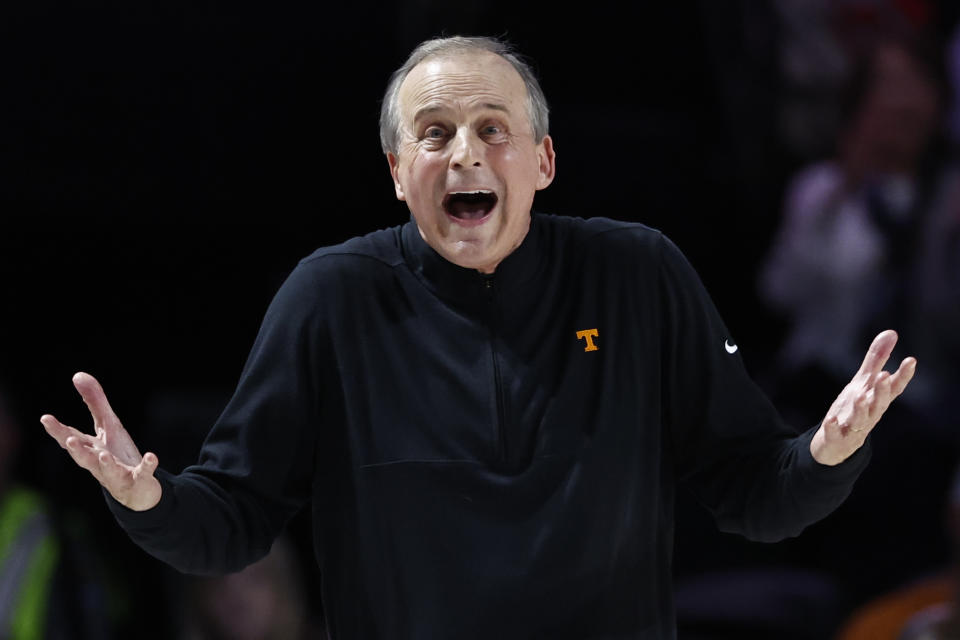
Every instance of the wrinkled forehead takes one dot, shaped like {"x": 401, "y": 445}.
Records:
{"x": 462, "y": 80}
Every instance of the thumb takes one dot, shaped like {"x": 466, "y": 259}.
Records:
{"x": 148, "y": 464}
{"x": 145, "y": 493}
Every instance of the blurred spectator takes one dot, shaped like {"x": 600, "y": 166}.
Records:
{"x": 842, "y": 266}
{"x": 265, "y": 601}
{"x": 838, "y": 267}
{"x": 47, "y": 590}
{"x": 935, "y": 316}
{"x": 814, "y": 66}
{"x": 29, "y": 549}
{"x": 857, "y": 235}
{"x": 821, "y": 40}
{"x": 936, "y": 280}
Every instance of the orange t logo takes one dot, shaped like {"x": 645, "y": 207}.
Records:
{"x": 589, "y": 335}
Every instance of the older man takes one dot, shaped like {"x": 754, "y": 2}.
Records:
{"x": 487, "y": 410}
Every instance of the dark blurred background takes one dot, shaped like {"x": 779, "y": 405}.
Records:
{"x": 164, "y": 165}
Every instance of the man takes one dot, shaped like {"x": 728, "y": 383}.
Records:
{"x": 486, "y": 409}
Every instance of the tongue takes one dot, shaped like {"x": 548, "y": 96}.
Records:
{"x": 468, "y": 210}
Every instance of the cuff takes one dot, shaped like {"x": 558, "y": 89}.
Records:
{"x": 843, "y": 473}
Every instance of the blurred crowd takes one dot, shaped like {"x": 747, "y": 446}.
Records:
{"x": 868, "y": 238}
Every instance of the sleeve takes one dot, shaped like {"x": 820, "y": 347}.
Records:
{"x": 256, "y": 466}
{"x": 752, "y": 471}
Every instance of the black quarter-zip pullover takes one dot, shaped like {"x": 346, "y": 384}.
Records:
{"x": 491, "y": 456}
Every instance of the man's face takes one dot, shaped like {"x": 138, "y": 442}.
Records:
{"x": 467, "y": 163}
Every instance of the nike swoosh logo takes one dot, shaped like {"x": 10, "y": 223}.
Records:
{"x": 731, "y": 348}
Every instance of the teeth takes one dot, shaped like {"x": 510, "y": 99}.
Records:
{"x": 467, "y": 193}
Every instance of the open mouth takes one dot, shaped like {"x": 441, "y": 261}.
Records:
{"x": 469, "y": 205}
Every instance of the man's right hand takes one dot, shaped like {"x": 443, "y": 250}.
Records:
{"x": 110, "y": 455}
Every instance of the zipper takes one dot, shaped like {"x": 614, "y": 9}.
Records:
{"x": 500, "y": 436}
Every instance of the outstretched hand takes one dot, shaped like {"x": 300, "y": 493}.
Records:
{"x": 858, "y": 408}
{"x": 110, "y": 455}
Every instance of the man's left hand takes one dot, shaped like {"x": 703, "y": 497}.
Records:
{"x": 858, "y": 408}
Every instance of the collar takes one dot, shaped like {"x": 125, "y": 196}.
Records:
{"x": 513, "y": 275}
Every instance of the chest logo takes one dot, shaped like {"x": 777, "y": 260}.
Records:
{"x": 588, "y": 335}
{"x": 731, "y": 348}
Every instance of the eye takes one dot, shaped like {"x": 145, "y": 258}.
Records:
{"x": 493, "y": 132}
{"x": 434, "y": 133}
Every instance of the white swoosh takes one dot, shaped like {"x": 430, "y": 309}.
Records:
{"x": 731, "y": 348}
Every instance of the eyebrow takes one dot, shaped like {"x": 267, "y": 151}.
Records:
{"x": 434, "y": 108}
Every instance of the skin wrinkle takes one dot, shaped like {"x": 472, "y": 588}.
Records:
{"x": 439, "y": 109}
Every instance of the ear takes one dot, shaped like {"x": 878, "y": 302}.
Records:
{"x": 394, "y": 163}
{"x": 548, "y": 162}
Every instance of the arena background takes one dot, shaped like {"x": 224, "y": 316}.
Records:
{"x": 165, "y": 164}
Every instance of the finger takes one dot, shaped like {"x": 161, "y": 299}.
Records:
{"x": 902, "y": 377}
{"x": 881, "y": 388}
{"x": 147, "y": 466}
{"x": 84, "y": 453}
{"x": 870, "y": 397}
{"x": 861, "y": 410}
{"x": 96, "y": 400}
{"x": 115, "y": 476}
{"x": 879, "y": 352}
{"x": 57, "y": 430}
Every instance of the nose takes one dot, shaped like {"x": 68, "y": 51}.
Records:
{"x": 466, "y": 151}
